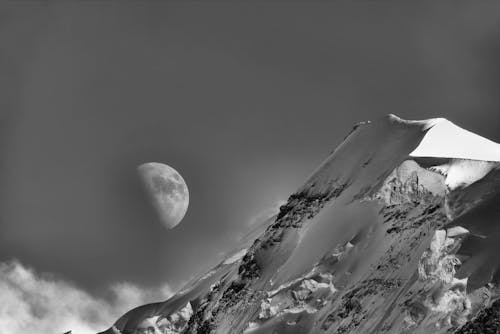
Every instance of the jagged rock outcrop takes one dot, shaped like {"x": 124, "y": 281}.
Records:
{"x": 486, "y": 322}
{"x": 393, "y": 233}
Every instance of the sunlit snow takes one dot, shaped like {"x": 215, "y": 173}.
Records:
{"x": 447, "y": 140}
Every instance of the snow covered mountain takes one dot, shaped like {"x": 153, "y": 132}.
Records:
{"x": 395, "y": 232}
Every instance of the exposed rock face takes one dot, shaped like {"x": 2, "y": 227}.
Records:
{"x": 371, "y": 243}
{"x": 487, "y": 321}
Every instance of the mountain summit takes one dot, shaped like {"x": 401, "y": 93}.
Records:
{"x": 395, "y": 232}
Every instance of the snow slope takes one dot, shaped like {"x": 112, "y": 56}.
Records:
{"x": 395, "y": 232}
{"x": 447, "y": 140}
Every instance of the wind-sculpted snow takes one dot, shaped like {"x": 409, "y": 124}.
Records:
{"x": 367, "y": 156}
{"x": 447, "y": 140}
{"x": 394, "y": 233}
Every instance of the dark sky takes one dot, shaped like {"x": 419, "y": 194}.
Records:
{"x": 243, "y": 100}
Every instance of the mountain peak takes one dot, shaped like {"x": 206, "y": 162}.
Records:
{"x": 393, "y": 233}
{"x": 444, "y": 139}
{"x": 424, "y": 124}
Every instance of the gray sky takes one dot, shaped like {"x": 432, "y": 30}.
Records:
{"x": 243, "y": 100}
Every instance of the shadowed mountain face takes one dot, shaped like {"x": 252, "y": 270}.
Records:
{"x": 395, "y": 232}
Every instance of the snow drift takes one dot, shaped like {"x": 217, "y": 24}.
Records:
{"x": 395, "y": 232}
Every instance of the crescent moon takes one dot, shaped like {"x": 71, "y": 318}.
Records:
{"x": 167, "y": 190}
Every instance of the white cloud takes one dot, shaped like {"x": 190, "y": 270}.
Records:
{"x": 33, "y": 303}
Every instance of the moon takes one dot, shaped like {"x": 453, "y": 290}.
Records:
{"x": 167, "y": 190}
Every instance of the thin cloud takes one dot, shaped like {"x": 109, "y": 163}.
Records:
{"x": 34, "y": 303}
{"x": 266, "y": 213}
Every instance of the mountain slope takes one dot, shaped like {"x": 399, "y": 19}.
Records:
{"x": 373, "y": 242}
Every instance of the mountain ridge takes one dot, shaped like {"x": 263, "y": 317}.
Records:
{"x": 370, "y": 226}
